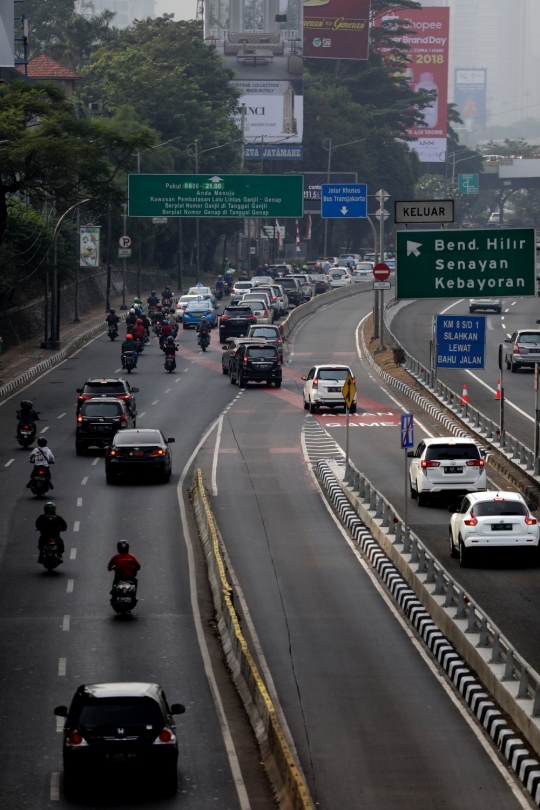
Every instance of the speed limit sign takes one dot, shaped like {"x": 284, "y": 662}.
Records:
{"x": 124, "y": 241}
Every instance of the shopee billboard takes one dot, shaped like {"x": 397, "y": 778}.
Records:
{"x": 336, "y": 29}
{"x": 425, "y": 32}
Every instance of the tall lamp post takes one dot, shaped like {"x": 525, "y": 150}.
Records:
{"x": 331, "y": 149}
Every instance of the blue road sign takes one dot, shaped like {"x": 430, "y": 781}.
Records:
{"x": 407, "y": 431}
{"x": 344, "y": 200}
{"x": 468, "y": 183}
{"x": 460, "y": 341}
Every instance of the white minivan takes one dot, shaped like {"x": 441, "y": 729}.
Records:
{"x": 446, "y": 465}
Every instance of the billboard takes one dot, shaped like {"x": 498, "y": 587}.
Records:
{"x": 427, "y": 42}
{"x": 259, "y": 40}
{"x": 336, "y": 29}
{"x": 7, "y": 33}
{"x": 89, "y": 246}
{"x": 470, "y": 97}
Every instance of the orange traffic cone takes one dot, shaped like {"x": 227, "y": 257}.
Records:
{"x": 498, "y": 392}
{"x": 464, "y": 396}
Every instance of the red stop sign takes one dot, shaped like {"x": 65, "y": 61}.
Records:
{"x": 381, "y": 271}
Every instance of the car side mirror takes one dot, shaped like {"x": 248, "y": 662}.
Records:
{"x": 224, "y": 347}
{"x": 171, "y": 441}
{"x": 410, "y": 454}
{"x": 61, "y": 711}
{"x": 452, "y": 509}
{"x": 508, "y": 340}
{"x": 79, "y": 390}
{"x": 303, "y": 378}
{"x": 134, "y": 390}
{"x": 483, "y": 452}
{"x": 177, "y": 708}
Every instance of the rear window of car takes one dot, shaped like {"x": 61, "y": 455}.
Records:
{"x": 332, "y": 373}
{"x": 101, "y": 409}
{"x": 529, "y": 337}
{"x": 104, "y": 388}
{"x": 364, "y": 266}
{"x": 318, "y": 277}
{"x": 264, "y": 332}
{"x": 268, "y": 352}
{"x": 496, "y": 508}
{"x": 127, "y": 437}
{"x": 289, "y": 283}
{"x": 238, "y": 312}
{"x": 118, "y": 712}
{"x": 257, "y": 304}
{"x": 446, "y": 452}
{"x": 196, "y": 305}
{"x": 243, "y": 285}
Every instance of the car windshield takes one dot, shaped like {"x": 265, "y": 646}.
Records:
{"x": 104, "y": 388}
{"x": 243, "y": 285}
{"x": 186, "y": 299}
{"x": 288, "y": 282}
{"x": 318, "y": 276}
{"x": 238, "y": 312}
{"x": 120, "y": 712}
{"x": 529, "y": 337}
{"x": 101, "y": 409}
{"x": 333, "y": 373}
{"x": 255, "y": 304}
{"x": 496, "y": 508}
{"x": 196, "y": 305}
{"x": 265, "y": 331}
{"x": 444, "y": 452}
{"x": 256, "y": 351}
{"x": 132, "y": 437}
{"x": 364, "y": 266}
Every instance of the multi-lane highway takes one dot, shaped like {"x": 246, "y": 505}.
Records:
{"x": 374, "y": 722}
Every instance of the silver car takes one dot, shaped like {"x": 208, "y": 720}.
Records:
{"x": 522, "y": 350}
{"x": 485, "y": 305}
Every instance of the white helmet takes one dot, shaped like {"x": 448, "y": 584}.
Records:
{"x": 132, "y": 311}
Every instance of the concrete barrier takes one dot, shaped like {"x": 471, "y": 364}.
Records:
{"x": 319, "y": 301}
{"x": 284, "y": 773}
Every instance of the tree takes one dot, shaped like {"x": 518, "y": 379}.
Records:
{"x": 44, "y": 19}
{"x": 49, "y": 154}
{"x": 76, "y": 37}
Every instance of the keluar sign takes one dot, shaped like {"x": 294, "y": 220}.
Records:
{"x": 336, "y": 29}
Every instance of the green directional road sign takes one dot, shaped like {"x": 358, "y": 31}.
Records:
{"x": 451, "y": 264}
{"x": 468, "y": 183}
{"x": 213, "y": 195}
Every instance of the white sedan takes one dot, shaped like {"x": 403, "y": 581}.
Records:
{"x": 491, "y": 520}
{"x": 340, "y": 277}
{"x": 182, "y": 303}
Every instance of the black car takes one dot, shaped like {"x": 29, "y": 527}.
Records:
{"x": 120, "y": 389}
{"x": 235, "y": 322}
{"x": 117, "y": 728}
{"x": 256, "y": 363}
{"x": 139, "y": 451}
{"x": 98, "y": 420}
{"x": 230, "y": 348}
{"x": 293, "y": 289}
{"x": 321, "y": 282}
{"x": 270, "y": 334}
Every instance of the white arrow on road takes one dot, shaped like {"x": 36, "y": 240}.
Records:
{"x": 344, "y": 210}
{"x": 412, "y": 247}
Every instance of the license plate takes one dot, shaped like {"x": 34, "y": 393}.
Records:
{"x": 264, "y": 366}
{"x": 120, "y": 757}
{"x": 137, "y": 454}
{"x": 501, "y": 527}
{"x": 100, "y": 427}
{"x": 123, "y": 598}
{"x": 26, "y": 432}
{"x": 333, "y": 390}
{"x": 453, "y": 469}
{"x": 197, "y": 313}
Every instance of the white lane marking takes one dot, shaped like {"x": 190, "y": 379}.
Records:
{"x": 513, "y": 303}
{"x": 507, "y": 310}
{"x": 178, "y": 378}
{"x": 70, "y": 584}
{"x": 73, "y": 554}
{"x": 55, "y": 779}
{"x": 44, "y": 430}
{"x": 95, "y": 461}
{"x": 61, "y": 416}
{"x": 167, "y": 390}
{"x": 201, "y": 638}
{"x": 216, "y": 454}
{"x": 459, "y": 301}
{"x": 140, "y": 415}
{"x": 117, "y": 370}
{"x": 62, "y": 666}
{"x": 65, "y": 625}
{"x": 506, "y": 400}
{"x": 76, "y": 525}
{"x": 489, "y": 323}
{"x": 84, "y": 481}
{"x": 9, "y": 463}
{"x": 79, "y": 501}
{"x": 186, "y": 370}
{"x": 434, "y": 666}
{"x": 60, "y": 722}
{"x": 155, "y": 402}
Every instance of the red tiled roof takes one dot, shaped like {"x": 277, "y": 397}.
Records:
{"x": 43, "y": 67}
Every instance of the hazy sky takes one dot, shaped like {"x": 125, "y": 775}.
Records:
{"x": 182, "y": 9}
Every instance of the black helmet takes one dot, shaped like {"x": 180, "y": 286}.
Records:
{"x": 42, "y": 441}
{"x": 153, "y": 292}
{"x": 123, "y": 547}
{"x": 50, "y": 508}
{"x": 170, "y": 340}
{"x": 112, "y": 311}
{"x": 26, "y": 404}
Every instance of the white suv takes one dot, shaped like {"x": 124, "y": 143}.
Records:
{"x": 323, "y": 388}
{"x": 492, "y": 520}
{"x": 446, "y": 464}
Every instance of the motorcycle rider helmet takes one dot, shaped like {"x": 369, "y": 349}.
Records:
{"x": 165, "y": 322}
{"x": 220, "y": 276}
{"x": 26, "y": 405}
{"x": 203, "y": 319}
{"x": 136, "y": 300}
{"x": 158, "y": 306}
{"x": 129, "y": 337}
{"x": 42, "y": 441}
{"x": 123, "y": 547}
{"x": 170, "y": 340}
{"x": 139, "y": 320}
{"x": 132, "y": 311}
{"x": 153, "y": 292}
{"x": 112, "y": 311}
{"x": 50, "y": 508}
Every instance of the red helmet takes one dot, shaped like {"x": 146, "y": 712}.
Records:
{"x": 129, "y": 337}
{"x": 158, "y": 306}
{"x": 139, "y": 320}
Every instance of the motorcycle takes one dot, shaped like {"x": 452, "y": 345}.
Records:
{"x": 41, "y": 481}
{"x": 128, "y": 361}
{"x": 50, "y": 556}
{"x": 25, "y": 434}
{"x": 113, "y": 332}
{"x": 124, "y": 596}
{"x": 170, "y": 363}
{"x": 151, "y": 311}
{"x": 156, "y": 326}
{"x": 139, "y": 344}
{"x": 219, "y": 293}
{"x": 227, "y": 287}
{"x": 204, "y": 340}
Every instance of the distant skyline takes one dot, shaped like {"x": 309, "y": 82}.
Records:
{"x": 182, "y": 9}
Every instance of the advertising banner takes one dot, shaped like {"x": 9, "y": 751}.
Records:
{"x": 427, "y": 41}
{"x": 336, "y": 29}
{"x": 89, "y": 246}
{"x": 260, "y": 41}
{"x": 470, "y": 97}
{"x": 7, "y": 33}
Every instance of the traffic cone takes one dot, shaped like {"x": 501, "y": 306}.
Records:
{"x": 498, "y": 392}
{"x": 464, "y": 396}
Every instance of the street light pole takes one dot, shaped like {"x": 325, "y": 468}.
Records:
{"x": 124, "y": 217}
{"x": 138, "y": 239}
{"x": 197, "y": 220}
{"x": 331, "y": 149}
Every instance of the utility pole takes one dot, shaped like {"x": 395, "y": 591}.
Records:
{"x": 78, "y": 263}
{"x": 382, "y": 214}
{"x": 327, "y": 180}
{"x": 124, "y": 217}
{"x": 138, "y": 238}
{"x": 197, "y": 219}
{"x": 109, "y": 270}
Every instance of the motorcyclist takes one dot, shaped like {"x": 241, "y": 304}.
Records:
{"x": 129, "y": 346}
{"x": 173, "y": 320}
{"x": 146, "y": 323}
{"x": 152, "y": 299}
{"x": 125, "y": 565}
{"x": 166, "y": 331}
{"x": 167, "y": 294}
{"x": 26, "y": 415}
{"x": 41, "y": 456}
{"x": 219, "y": 283}
{"x": 138, "y": 332}
{"x": 170, "y": 348}
{"x": 49, "y": 525}
{"x": 227, "y": 279}
{"x": 131, "y": 319}
{"x": 203, "y": 328}
{"x": 158, "y": 314}
{"x": 112, "y": 319}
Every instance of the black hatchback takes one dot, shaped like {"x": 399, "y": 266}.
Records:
{"x": 139, "y": 451}
{"x": 99, "y": 420}
{"x": 114, "y": 728}
{"x": 256, "y": 363}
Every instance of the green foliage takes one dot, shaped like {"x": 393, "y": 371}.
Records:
{"x": 76, "y": 37}
{"x": 44, "y": 19}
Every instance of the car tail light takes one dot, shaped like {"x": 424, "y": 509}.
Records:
{"x": 26, "y": 427}
{"x": 471, "y": 521}
{"x": 516, "y": 348}
{"x": 530, "y": 521}
{"x": 252, "y": 318}
{"x": 430, "y": 463}
{"x": 123, "y": 396}
{"x": 265, "y": 313}
{"x": 155, "y": 453}
{"x": 315, "y": 383}
{"x": 84, "y": 396}
{"x": 245, "y": 358}
{"x": 75, "y": 737}
{"x": 116, "y": 453}
{"x": 478, "y": 462}
{"x": 166, "y": 736}
{"x": 280, "y": 340}
{"x": 224, "y": 318}
{"x": 79, "y": 418}
{"x": 123, "y": 419}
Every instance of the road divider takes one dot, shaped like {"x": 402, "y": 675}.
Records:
{"x": 284, "y": 773}
{"x": 318, "y": 301}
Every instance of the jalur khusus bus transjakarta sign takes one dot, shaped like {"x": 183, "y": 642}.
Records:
{"x": 212, "y": 195}
{"x": 449, "y": 264}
